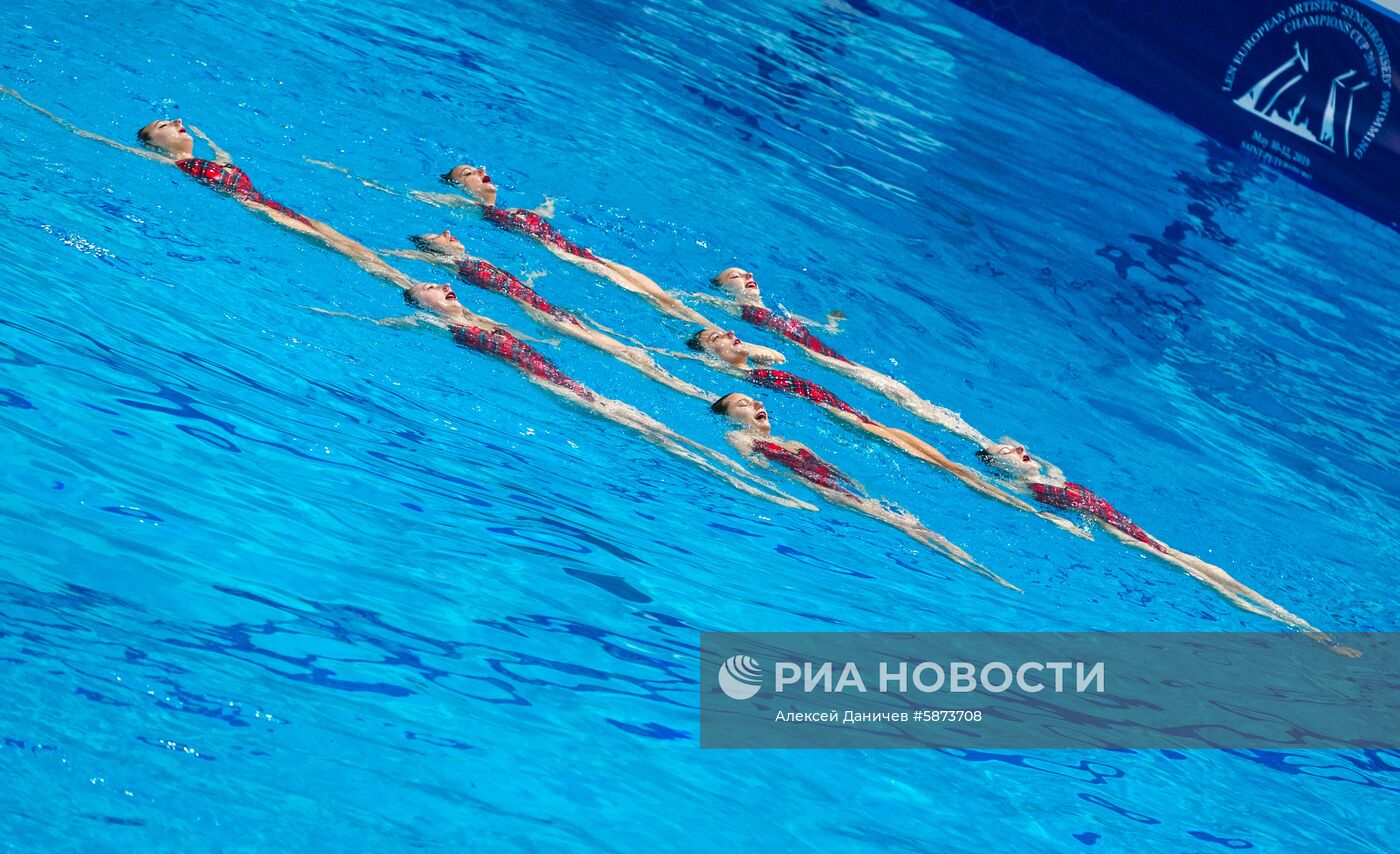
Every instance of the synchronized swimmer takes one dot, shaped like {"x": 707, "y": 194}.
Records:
{"x": 169, "y": 141}
{"x": 755, "y": 440}
{"x": 1047, "y": 483}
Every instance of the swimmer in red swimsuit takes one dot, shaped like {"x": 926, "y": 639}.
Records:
{"x": 169, "y": 141}
{"x": 755, "y": 440}
{"x": 746, "y": 301}
{"x": 445, "y": 249}
{"x": 1047, "y": 484}
{"x": 731, "y": 355}
{"x": 227, "y": 178}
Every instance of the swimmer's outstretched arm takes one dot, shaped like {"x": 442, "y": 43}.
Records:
{"x": 905, "y": 397}
{"x": 149, "y": 155}
{"x": 220, "y": 156}
{"x": 373, "y": 185}
{"x": 395, "y": 322}
{"x": 711, "y": 299}
{"x": 630, "y": 280}
{"x": 417, "y": 255}
{"x": 450, "y": 200}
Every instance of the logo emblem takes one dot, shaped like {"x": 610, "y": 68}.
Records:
{"x": 740, "y": 677}
{"x": 1319, "y": 71}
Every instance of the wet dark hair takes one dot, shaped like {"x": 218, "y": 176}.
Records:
{"x": 409, "y": 298}
{"x": 143, "y": 136}
{"x": 695, "y": 342}
{"x": 994, "y": 467}
{"x": 719, "y": 407}
{"x": 424, "y": 244}
{"x": 446, "y": 178}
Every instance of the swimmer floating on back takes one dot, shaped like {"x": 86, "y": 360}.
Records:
{"x": 731, "y": 354}
{"x": 169, "y": 141}
{"x": 1048, "y": 485}
{"x": 755, "y": 440}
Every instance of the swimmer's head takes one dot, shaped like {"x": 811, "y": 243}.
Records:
{"x": 168, "y": 136}
{"x": 1011, "y": 458}
{"x": 441, "y": 243}
{"x": 724, "y": 345}
{"x": 736, "y": 282}
{"x": 439, "y": 298}
{"x": 744, "y": 411}
{"x": 474, "y": 180}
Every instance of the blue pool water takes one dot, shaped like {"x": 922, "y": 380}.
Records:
{"x": 276, "y": 578}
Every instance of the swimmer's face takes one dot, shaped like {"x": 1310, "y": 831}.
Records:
{"x": 725, "y": 345}
{"x": 1012, "y": 458}
{"x": 439, "y": 298}
{"x": 736, "y": 282}
{"x": 168, "y": 135}
{"x": 474, "y": 180}
{"x": 442, "y": 243}
{"x": 748, "y": 413}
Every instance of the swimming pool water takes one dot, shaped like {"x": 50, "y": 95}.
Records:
{"x": 276, "y": 578}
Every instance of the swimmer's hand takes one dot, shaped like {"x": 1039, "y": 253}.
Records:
{"x": 833, "y": 321}
{"x": 220, "y": 156}
{"x": 546, "y": 208}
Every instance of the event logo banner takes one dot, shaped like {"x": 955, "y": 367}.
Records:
{"x": 1049, "y": 690}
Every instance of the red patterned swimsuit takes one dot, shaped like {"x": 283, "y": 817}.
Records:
{"x": 1072, "y": 496}
{"x": 486, "y": 275}
{"x": 499, "y": 342}
{"x": 788, "y": 384}
{"x": 793, "y": 330}
{"x": 227, "y": 178}
{"x": 532, "y": 224}
{"x": 806, "y": 465}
